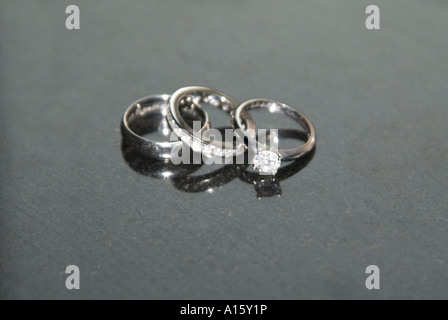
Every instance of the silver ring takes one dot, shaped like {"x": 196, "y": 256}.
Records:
{"x": 146, "y": 115}
{"x": 194, "y": 97}
{"x": 268, "y": 161}
{"x": 270, "y": 186}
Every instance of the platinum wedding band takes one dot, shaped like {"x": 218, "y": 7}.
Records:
{"x": 149, "y": 114}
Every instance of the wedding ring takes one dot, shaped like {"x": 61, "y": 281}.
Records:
{"x": 267, "y": 161}
{"x": 198, "y": 97}
{"x": 146, "y": 115}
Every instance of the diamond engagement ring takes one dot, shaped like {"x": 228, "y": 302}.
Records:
{"x": 268, "y": 186}
{"x": 146, "y": 115}
{"x": 266, "y": 161}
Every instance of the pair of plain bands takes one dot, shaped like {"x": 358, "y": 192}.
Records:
{"x": 162, "y": 107}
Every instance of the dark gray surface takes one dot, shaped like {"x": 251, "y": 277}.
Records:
{"x": 375, "y": 192}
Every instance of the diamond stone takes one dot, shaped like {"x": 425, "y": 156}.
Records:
{"x": 208, "y": 151}
{"x": 267, "y": 162}
{"x": 196, "y": 146}
{"x": 228, "y": 153}
{"x": 218, "y": 152}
